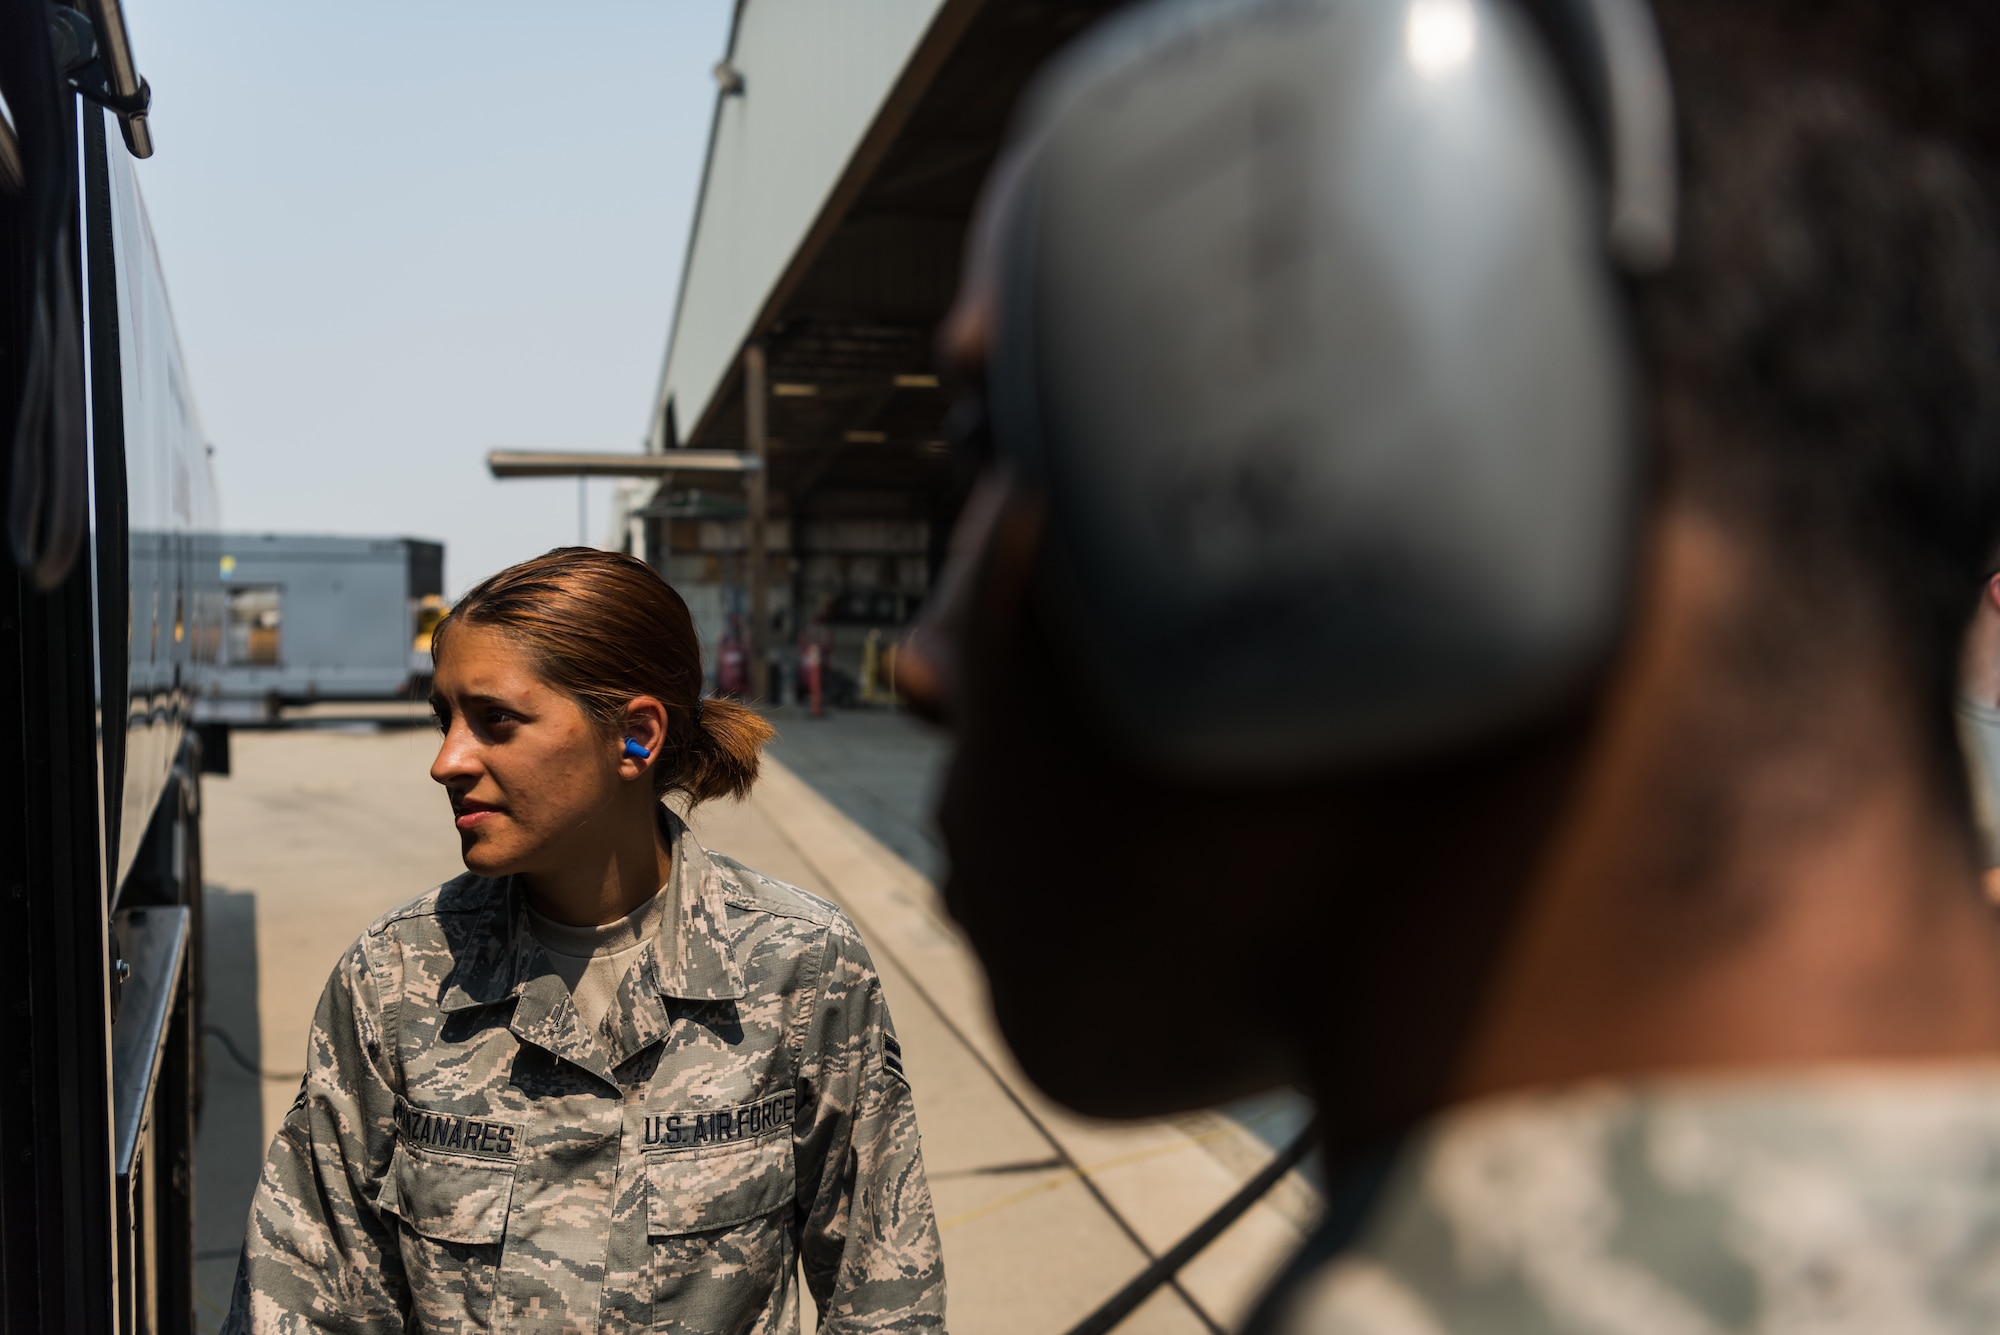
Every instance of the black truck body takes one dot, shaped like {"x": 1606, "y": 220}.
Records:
{"x": 111, "y": 620}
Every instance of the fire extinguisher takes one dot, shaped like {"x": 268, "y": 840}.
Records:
{"x": 732, "y": 664}
{"x": 809, "y": 668}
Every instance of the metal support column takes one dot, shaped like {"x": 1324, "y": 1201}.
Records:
{"x": 757, "y": 564}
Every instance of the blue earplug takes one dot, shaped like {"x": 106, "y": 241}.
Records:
{"x": 636, "y": 751}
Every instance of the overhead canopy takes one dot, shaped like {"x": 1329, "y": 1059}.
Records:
{"x": 834, "y": 204}
{"x": 573, "y": 463}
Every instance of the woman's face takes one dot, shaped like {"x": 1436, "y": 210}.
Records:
{"x": 530, "y": 776}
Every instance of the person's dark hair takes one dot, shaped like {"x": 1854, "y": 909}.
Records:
{"x": 1824, "y": 354}
{"x": 605, "y": 628}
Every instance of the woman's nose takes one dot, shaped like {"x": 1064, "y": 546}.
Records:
{"x": 456, "y": 757}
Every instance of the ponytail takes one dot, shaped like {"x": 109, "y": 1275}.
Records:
{"x": 722, "y": 756}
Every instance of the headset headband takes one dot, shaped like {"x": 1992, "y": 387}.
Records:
{"x": 1630, "y": 101}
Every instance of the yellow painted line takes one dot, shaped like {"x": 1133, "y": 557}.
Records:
{"x": 209, "y": 1303}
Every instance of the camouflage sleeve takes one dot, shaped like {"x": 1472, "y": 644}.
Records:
{"x": 870, "y": 1240}
{"x": 318, "y": 1256}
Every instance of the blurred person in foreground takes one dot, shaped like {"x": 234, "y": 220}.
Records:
{"x": 1658, "y": 994}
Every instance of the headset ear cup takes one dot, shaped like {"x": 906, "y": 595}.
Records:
{"x": 1313, "y": 348}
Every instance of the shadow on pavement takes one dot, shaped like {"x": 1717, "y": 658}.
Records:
{"x": 229, "y": 1144}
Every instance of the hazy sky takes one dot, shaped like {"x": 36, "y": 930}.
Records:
{"x": 399, "y": 235}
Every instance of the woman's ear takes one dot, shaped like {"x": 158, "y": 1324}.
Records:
{"x": 642, "y": 728}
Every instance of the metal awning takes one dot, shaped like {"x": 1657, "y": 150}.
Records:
{"x": 848, "y": 315}
{"x": 575, "y": 463}
{"x": 818, "y": 272}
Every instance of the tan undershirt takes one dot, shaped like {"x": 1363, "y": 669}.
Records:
{"x": 593, "y": 961}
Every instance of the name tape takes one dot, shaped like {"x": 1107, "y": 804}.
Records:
{"x": 462, "y": 1135}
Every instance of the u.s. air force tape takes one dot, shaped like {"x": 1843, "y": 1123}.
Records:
{"x": 685, "y": 1130}
{"x": 484, "y": 1137}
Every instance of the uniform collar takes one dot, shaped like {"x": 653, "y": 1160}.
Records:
{"x": 692, "y": 951}
{"x": 689, "y": 959}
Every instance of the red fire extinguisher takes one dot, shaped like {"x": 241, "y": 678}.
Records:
{"x": 815, "y": 660}
{"x": 732, "y": 664}
{"x": 809, "y": 667}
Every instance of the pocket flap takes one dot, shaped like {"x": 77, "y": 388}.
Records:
{"x": 695, "y": 1191}
{"x": 450, "y": 1199}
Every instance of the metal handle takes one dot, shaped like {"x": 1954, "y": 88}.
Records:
{"x": 114, "y": 48}
{"x": 12, "y": 175}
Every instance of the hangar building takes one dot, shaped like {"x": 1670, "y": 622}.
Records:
{"x": 849, "y": 142}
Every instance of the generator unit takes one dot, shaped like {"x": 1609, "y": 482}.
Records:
{"x": 311, "y": 617}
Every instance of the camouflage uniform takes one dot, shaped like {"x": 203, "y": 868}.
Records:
{"x": 463, "y": 1156}
{"x": 1840, "y": 1204}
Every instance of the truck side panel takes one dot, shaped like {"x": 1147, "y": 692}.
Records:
{"x": 173, "y": 626}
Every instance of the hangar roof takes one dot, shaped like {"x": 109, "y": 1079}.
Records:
{"x": 839, "y": 182}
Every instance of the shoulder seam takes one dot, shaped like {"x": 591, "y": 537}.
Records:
{"x": 809, "y": 1012}
{"x": 426, "y": 905}
{"x": 390, "y": 999}
{"x": 812, "y": 909}
{"x": 756, "y": 905}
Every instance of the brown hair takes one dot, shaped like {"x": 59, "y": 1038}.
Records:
{"x": 604, "y": 628}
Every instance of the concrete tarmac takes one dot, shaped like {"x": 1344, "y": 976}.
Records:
{"x": 881, "y": 768}
{"x": 1043, "y": 1214}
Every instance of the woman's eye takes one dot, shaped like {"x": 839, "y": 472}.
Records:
{"x": 441, "y": 720}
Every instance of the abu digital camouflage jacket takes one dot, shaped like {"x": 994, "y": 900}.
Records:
{"x": 1845, "y": 1202}
{"x": 463, "y": 1156}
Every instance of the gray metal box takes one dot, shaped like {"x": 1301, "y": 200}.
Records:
{"x": 314, "y": 617}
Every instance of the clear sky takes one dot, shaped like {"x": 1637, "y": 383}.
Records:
{"x": 399, "y": 235}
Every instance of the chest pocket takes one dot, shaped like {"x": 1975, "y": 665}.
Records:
{"x": 697, "y": 1191}
{"x": 446, "y": 1198}
{"x": 454, "y": 1213}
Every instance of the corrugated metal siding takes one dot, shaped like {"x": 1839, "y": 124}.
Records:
{"x": 815, "y": 74}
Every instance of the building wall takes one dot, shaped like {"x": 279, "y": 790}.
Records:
{"x": 815, "y": 74}
{"x": 849, "y": 576}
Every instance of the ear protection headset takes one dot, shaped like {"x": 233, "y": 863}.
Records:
{"x": 1311, "y": 334}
